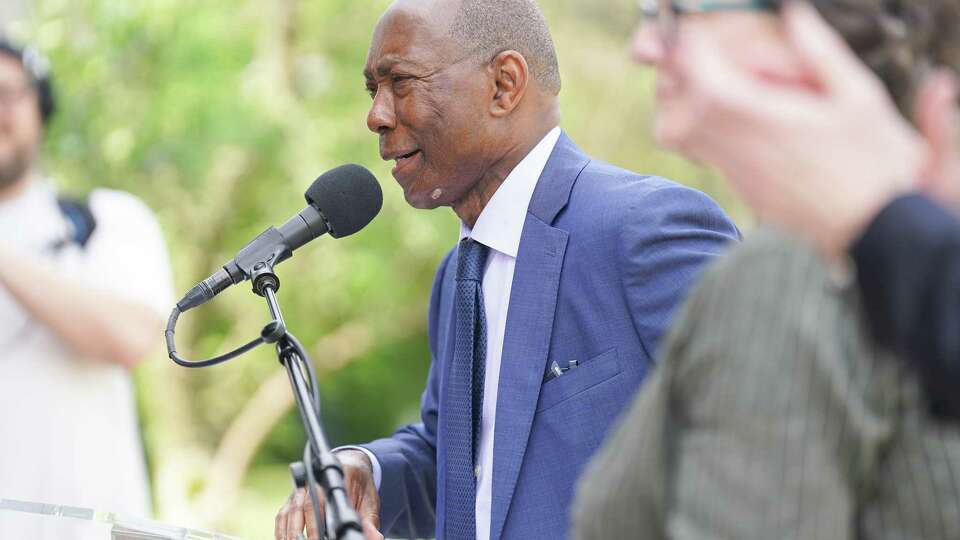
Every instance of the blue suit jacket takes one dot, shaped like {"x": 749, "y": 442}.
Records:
{"x": 605, "y": 257}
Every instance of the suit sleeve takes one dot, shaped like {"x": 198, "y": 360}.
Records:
{"x": 752, "y": 426}
{"x": 908, "y": 269}
{"x": 668, "y": 236}
{"x": 408, "y": 458}
{"x": 766, "y": 403}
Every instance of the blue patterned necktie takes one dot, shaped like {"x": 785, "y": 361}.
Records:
{"x": 466, "y": 392}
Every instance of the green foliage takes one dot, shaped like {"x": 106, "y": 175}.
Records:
{"x": 218, "y": 114}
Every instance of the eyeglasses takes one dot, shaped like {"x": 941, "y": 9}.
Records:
{"x": 664, "y": 13}
{"x": 11, "y": 95}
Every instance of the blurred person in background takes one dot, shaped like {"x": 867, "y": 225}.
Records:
{"x": 543, "y": 321}
{"x": 774, "y": 410}
{"x": 83, "y": 289}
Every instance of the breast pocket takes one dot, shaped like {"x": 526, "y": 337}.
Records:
{"x": 586, "y": 375}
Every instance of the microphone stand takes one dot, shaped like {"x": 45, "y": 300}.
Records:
{"x": 342, "y": 519}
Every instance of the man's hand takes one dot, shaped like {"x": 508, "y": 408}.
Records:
{"x": 819, "y": 157}
{"x": 297, "y": 513}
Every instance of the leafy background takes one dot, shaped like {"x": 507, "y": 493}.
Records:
{"x": 218, "y": 114}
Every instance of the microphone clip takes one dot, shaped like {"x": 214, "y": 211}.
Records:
{"x": 257, "y": 259}
{"x": 263, "y": 277}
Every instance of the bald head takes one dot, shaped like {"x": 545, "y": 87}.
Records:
{"x": 488, "y": 27}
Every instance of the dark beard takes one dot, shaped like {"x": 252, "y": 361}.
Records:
{"x": 13, "y": 169}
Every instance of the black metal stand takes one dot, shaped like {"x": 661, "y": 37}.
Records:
{"x": 321, "y": 465}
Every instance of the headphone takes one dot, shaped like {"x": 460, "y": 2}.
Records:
{"x": 37, "y": 67}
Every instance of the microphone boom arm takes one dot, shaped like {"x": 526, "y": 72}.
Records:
{"x": 322, "y": 466}
{"x": 341, "y": 516}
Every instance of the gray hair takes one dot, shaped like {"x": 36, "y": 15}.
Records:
{"x": 489, "y": 27}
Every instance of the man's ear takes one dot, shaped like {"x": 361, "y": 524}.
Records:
{"x": 511, "y": 75}
{"x": 936, "y": 116}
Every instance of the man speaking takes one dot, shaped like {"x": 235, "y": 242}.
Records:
{"x": 544, "y": 318}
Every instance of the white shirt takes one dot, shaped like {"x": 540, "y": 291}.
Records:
{"x": 68, "y": 425}
{"x": 499, "y": 227}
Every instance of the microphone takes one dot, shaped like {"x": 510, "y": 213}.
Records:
{"x": 340, "y": 202}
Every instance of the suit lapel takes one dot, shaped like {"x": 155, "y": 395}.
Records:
{"x": 533, "y": 303}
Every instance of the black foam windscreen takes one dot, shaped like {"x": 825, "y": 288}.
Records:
{"x": 349, "y": 197}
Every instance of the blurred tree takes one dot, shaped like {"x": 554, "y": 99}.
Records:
{"x": 218, "y": 114}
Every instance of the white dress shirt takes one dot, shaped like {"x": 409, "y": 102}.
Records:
{"x": 499, "y": 228}
{"x": 69, "y": 425}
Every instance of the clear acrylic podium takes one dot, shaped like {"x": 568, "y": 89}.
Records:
{"x": 72, "y": 523}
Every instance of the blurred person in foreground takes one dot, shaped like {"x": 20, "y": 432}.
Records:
{"x": 774, "y": 411}
{"x": 544, "y": 319}
{"x": 83, "y": 286}
{"x": 841, "y": 169}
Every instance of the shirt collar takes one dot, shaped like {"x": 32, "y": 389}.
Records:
{"x": 501, "y": 221}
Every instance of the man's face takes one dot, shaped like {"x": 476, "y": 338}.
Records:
{"x": 750, "y": 41}
{"x": 20, "y": 122}
{"x": 430, "y": 105}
